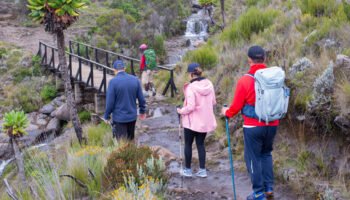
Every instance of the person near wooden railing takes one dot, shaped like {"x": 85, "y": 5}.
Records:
{"x": 122, "y": 93}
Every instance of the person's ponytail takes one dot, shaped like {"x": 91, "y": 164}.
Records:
{"x": 198, "y": 72}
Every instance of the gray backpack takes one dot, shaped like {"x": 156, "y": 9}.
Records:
{"x": 272, "y": 95}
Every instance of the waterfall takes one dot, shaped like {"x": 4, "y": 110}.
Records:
{"x": 197, "y": 26}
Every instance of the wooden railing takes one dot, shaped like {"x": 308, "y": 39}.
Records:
{"x": 91, "y": 58}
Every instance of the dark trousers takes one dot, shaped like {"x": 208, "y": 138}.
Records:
{"x": 189, "y": 137}
{"x": 124, "y": 130}
{"x": 258, "y": 145}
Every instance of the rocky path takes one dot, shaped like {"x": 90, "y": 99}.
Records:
{"x": 160, "y": 130}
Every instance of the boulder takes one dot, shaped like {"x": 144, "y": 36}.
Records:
{"x": 54, "y": 125}
{"x": 323, "y": 88}
{"x": 47, "y": 109}
{"x": 300, "y": 66}
{"x": 62, "y": 113}
{"x": 5, "y": 147}
{"x": 343, "y": 123}
{"x": 41, "y": 122}
{"x": 58, "y": 101}
{"x": 343, "y": 61}
{"x": 164, "y": 153}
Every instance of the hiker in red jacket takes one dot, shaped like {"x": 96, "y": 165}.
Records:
{"x": 258, "y": 135}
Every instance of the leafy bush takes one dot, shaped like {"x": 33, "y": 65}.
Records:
{"x": 15, "y": 123}
{"x": 84, "y": 116}
{"x": 256, "y": 2}
{"x": 149, "y": 187}
{"x": 48, "y": 92}
{"x": 207, "y": 2}
{"x": 126, "y": 160}
{"x": 253, "y": 21}
{"x": 36, "y": 67}
{"x": 318, "y": 8}
{"x": 206, "y": 56}
{"x": 159, "y": 47}
{"x": 3, "y": 53}
{"x": 20, "y": 74}
{"x": 96, "y": 134}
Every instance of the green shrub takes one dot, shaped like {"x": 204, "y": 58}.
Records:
{"x": 253, "y": 21}
{"x": 159, "y": 48}
{"x": 36, "y": 66}
{"x": 96, "y": 134}
{"x": 126, "y": 160}
{"x": 257, "y": 2}
{"x": 84, "y": 116}
{"x": 318, "y": 8}
{"x": 3, "y": 53}
{"x": 207, "y": 2}
{"x": 206, "y": 56}
{"x": 48, "y": 92}
{"x": 20, "y": 74}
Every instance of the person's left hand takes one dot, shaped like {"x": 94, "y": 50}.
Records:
{"x": 142, "y": 116}
{"x": 223, "y": 111}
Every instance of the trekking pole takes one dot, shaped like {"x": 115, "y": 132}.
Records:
{"x": 180, "y": 140}
{"x": 231, "y": 156}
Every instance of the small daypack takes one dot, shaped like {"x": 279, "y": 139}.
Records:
{"x": 272, "y": 95}
{"x": 151, "y": 59}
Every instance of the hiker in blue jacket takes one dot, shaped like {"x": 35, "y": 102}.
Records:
{"x": 123, "y": 90}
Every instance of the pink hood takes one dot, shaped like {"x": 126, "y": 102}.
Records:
{"x": 198, "y": 111}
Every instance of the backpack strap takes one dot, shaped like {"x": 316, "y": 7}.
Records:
{"x": 251, "y": 75}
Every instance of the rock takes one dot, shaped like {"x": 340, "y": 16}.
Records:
{"x": 26, "y": 61}
{"x": 41, "y": 122}
{"x": 300, "y": 66}
{"x": 31, "y": 138}
{"x": 343, "y": 61}
{"x": 41, "y": 116}
{"x": 62, "y": 113}
{"x": 5, "y": 147}
{"x": 54, "y": 125}
{"x": 47, "y": 109}
{"x": 343, "y": 123}
{"x": 323, "y": 88}
{"x": 58, "y": 101}
{"x": 164, "y": 153}
{"x": 32, "y": 127}
{"x": 289, "y": 174}
{"x": 301, "y": 117}
{"x": 330, "y": 43}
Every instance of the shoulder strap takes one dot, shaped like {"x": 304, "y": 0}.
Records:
{"x": 251, "y": 75}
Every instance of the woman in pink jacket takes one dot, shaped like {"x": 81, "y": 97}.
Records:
{"x": 197, "y": 117}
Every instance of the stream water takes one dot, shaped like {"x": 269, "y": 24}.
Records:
{"x": 196, "y": 33}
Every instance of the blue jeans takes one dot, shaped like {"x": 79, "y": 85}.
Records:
{"x": 258, "y": 145}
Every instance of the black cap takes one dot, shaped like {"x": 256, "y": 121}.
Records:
{"x": 192, "y": 67}
{"x": 256, "y": 52}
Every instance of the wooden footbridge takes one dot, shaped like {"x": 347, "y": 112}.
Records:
{"x": 90, "y": 70}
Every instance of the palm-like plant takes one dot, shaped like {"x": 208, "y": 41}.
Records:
{"x": 14, "y": 125}
{"x": 58, "y": 15}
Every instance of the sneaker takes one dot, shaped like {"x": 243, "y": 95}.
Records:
{"x": 269, "y": 192}
{"x": 202, "y": 173}
{"x": 256, "y": 196}
{"x": 186, "y": 172}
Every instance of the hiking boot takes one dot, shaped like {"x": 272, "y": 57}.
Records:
{"x": 256, "y": 196}
{"x": 186, "y": 172}
{"x": 154, "y": 91}
{"x": 202, "y": 173}
{"x": 269, "y": 193}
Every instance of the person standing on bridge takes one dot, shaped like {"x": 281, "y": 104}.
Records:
{"x": 197, "y": 117}
{"x": 122, "y": 93}
{"x": 147, "y": 66}
{"x": 258, "y": 135}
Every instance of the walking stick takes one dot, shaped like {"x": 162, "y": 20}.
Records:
{"x": 181, "y": 156}
{"x": 231, "y": 156}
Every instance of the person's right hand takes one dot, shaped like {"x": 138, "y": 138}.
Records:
{"x": 142, "y": 117}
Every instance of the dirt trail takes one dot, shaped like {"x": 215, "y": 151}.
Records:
{"x": 161, "y": 129}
